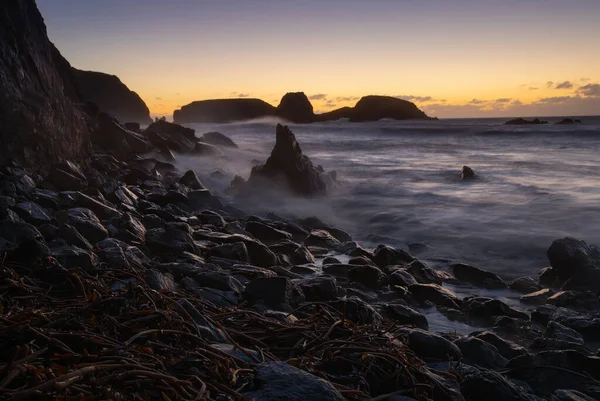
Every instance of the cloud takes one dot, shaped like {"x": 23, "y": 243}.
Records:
{"x": 564, "y": 85}
{"x": 589, "y": 90}
{"x": 318, "y": 96}
{"x": 549, "y": 84}
{"x": 346, "y": 99}
{"x": 159, "y": 99}
{"x": 585, "y": 80}
{"x": 233, "y": 94}
{"x": 517, "y": 103}
{"x": 243, "y": 94}
{"x": 477, "y": 101}
{"x": 554, "y": 100}
{"x": 330, "y": 104}
{"x": 503, "y": 100}
{"x": 533, "y": 88}
{"x": 418, "y": 99}
{"x": 523, "y": 85}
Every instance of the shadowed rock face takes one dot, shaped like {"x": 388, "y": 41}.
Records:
{"x": 112, "y": 96}
{"x": 373, "y": 108}
{"x": 296, "y": 107}
{"x": 289, "y": 165}
{"x": 40, "y": 122}
{"x": 223, "y": 110}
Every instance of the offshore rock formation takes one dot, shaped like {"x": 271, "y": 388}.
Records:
{"x": 223, "y": 111}
{"x": 40, "y": 122}
{"x": 522, "y": 121}
{"x": 112, "y": 96}
{"x": 289, "y": 169}
{"x": 295, "y": 107}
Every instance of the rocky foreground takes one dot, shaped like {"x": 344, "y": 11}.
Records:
{"x": 123, "y": 278}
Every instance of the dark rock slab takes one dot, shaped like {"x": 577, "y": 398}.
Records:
{"x": 385, "y": 255}
{"x": 160, "y": 282}
{"x": 477, "y": 276}
{"x": 430, "y": 346}
{"x": 321, "y": 238}
{"x": 218, "y": 139}
{"x": 480, "y": 353}
{"x": 72, "y": 257}
{"x": 435, "y": 294}
{"x": 488, "y": 308}
{"x": 406, "y": 316}
{"x": 318, "y": 289}
{"x": 266, "y": 233}
{"x": 506, "y": 348}
{"x": 525, "y": 285}
{"x": 559, "y": 332}
{"x": 235, "y": 251}
{"x": 85, "y": 221}
{"x": 32, "y": 213}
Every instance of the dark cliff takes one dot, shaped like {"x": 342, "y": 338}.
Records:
{"x": 296, "y": 108}
{"x": 112, "y": 96}
{"x": 40, "y": 121}
{"x": 223, "y": 110}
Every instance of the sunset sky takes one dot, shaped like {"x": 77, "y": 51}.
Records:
{"x": 458, "y": 58}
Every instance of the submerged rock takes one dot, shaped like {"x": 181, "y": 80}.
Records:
{"x": 218, "y": 139}
{"x": 577, "y": 263}
{"x": 467, "y": 173}
{"x": 568, "y": 121}
{"x": 522, "y": 121}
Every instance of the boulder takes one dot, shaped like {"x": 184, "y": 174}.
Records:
{"x": 218, "y": 139}
{"x": 385, "y": 255}
{"x": 32, "y": 213}
{"x": 430, "y": 346}
{"x": 319, "y": 289}
{"x": 480, "y": 353}
{"x": 476, "y": 276}
{"x": 168, "y": 129}
{"x": 174, "y": 238}
{"x": 559, "y": 332}
{"x": 402, "y": 278}
{"x": 487, "y": 385}
{"x": 235, "y": 251}
{"x": 85, "y": 221}
{"x": 288, "y": 166}
{"x": 219, "y": 280}
{"x": 274, "y": 292}
{"x": 160, "y": 282}
{"x": 66, "y": 176}
{"x": 356, "y": 310}
{"x": 506, "y": 348}
{"x": 583, "y": 300}
{"x": 467, "y": 173}
{"x": 40, "y": 120}
{"x": 72, "y": 257}
{"x": 112, "y": 96}
{"x": 131, "y": 230}
{"x": 488, "y": 308}
{"x": 577, "y": 262}
{"x": 266, "y": 233}
{"x": 112, "y": 137}
{"x": 321, "y": 238}
{"x": 435, "y": 294}
{"x": 296, "y": 108}
{"x": 525, "y": 285}
{"x": 277, "y": 381}
{"x": 424, "y": 274}
{"x": 406, "y": 316}
{"x": 71, "y": 236}
{"x": 191, "y": 180}
{"x": 536, "y": 298}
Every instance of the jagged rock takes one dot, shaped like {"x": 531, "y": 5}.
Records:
{"x": 430, "y": 346}
{"x": 234, "y": 251}
{"x": 205, "y": 149}
{"x": 423, "y": 273}
{"x": 191, "y": 180}
{"x": 32, "y": 213}
{"x": 219, "y": 280}
{"x": 211, "y": 218}
{"x": 562, "y": 333}
{"x": 111, "y": 136}
{"x": 40, "y": 122}
{"x": 357, "y": 310}
{"x": 577, "y": 262}
{"x": 66, "y": 176}
{"x": 314, "y": 223}
{"x": 477, "y": 276}
{"x": 277, "y": 381}
{"x": 85, "y": 221}
{"x": 321, "y": 238}
{"x": 548, "y": 277}
{"x": 385, "y": 255}
{"x": 101, "y": 209}
{"x": 288, "y": 166}
{"x": 131, "y": 230}
{"x": 506, "y": 348}
{"x": 406, "y": 316}
{"x": 168, "y": 129}
{"x": 73, "y": 257}
{"x": 480, "y": 353}
{"x": 160, "y": 282}
{"x": 584, "y": 300}
{"x": 218, "y": 139}
{"x": 295, "y": 107}
{"x": 266, "y": 233}
{"x": 467, "y": 173}
{"x": 275, "y": 292}
{"x": 72, "y": 237}
{"x": 173, "y": 238}
{"x": 297, "y": 254}
{"x": 402, "y": 278}
{"x": 486, "y": 308}
{"x": 117, "y": 253}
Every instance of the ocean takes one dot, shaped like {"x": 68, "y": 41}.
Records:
{"x": 400, "y": 185}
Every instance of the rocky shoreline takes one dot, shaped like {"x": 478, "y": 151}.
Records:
{"x": 123, "y": 277}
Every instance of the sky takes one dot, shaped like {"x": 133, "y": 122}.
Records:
{"x": 453, "y": 58}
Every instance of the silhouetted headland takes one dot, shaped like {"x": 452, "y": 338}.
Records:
{"x": 296, "y": 108}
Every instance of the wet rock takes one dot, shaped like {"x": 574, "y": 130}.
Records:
{"x": 205, "y": 149}
{"x": 66, "y": 176}
{"x": 355, "y": 309}
{"x": 72, "y": 257}
{"x": 218, "y": 280}
{"x": 505, "y": 324}
{"x": 321, "y": 238}
{"x": 259, "y": 254}
{"x": 123, "y": 195}
{"x": 296, "y": 253}
{"x": 487, "y": 385}
{"x": 585, "y": 300}
{"x": 235, "y": 251}
{"x": 314, "y": 223}
{"x": 525, "y": 285}
{"x": 331, "y": 261}
{"x": 51, "y": 232}
{"x": 288, "y": 163}
{"x": 559, "y": 332}
{"x": 266, "y": 233}
{"x": 551, "y": 344}
{"x": 72, "y": 237}
{"x": 318, "y": 289}
{"x": 368, "y": 276}
{"x": 406, "y": 316}
{"x": 361, "y": 260}
{"x": 577, "y": 262}
{"x": 430, "y": 346}
{"x": 506, "y": 348}
{"x": 352, "y": 248}
{"x": 32, "y": 213}
{"x": 211, "y": 218}
{"x": 275, "y": 292}
{"x": 385, "y": 255}
{"x": 151, "y": 221}
{"x": 131, "y": 230}
{"x": 487, "y": 308}
{"x": 191, "y": 180}
{"x": 117, "y": 253}
{"x": 102, "y": 210}
{"x": 587, "y": 324}
{"x": 218, "y": 139}
{"x": 570, "y": 395}
{"x": 434, "y": 293}
{"x": 477, "y": 276}
{"x": 402, "y": 278}
{"x": 85, "y": 221}
{"x": 480, "y": 353}
{"x": 467, "y": 173}
{"x": 423, "y": 273}
{"x": 277, "y": 381}
{"x": 536, "y": 298}
{"x": 160, "y": 282}
{"x": 174, "y": 238}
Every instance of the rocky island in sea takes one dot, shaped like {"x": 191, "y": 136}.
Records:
{"x": 125, "y": 278}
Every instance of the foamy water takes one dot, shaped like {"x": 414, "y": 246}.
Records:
{"x": 400, "y": 185}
